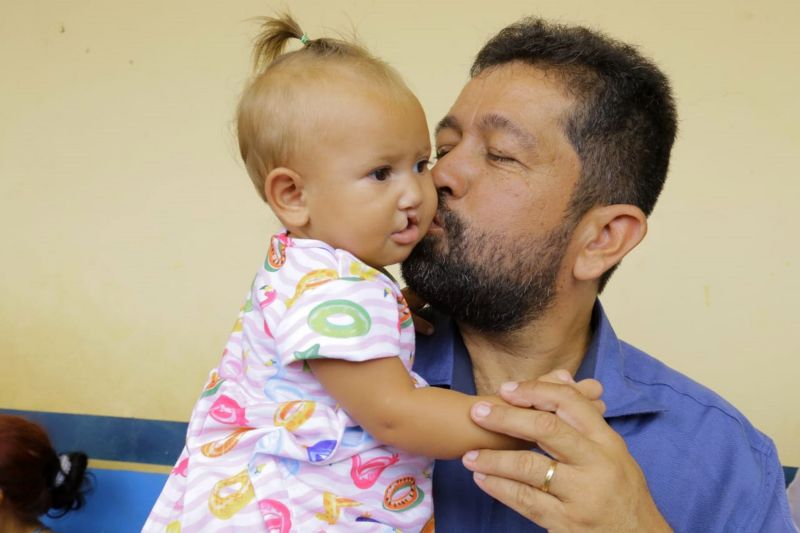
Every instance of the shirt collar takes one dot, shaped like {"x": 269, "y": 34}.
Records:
{"x": 604, "y": 360}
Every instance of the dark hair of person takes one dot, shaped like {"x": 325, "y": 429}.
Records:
{"x": 35, "y": 480}
{"x": 624, "y": 122}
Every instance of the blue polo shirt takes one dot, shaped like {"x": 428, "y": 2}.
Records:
{"x": 707, "y": 467}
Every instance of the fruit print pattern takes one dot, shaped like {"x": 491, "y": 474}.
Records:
{"x": 267, "y": 449}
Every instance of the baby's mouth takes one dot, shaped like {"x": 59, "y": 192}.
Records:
{"x": 409, "y": 234}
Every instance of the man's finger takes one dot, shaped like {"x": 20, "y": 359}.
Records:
{"x": 566, "y": 401}
{"x": 559, "y": 375}
{"x": 591, "y": 389}
{"x": 600, "y": 406}
{"x": 522, "y": 393}
{"x": 525, "y": 466}
{"x": 543, "y": 509}
{"x": 553, "y": 435}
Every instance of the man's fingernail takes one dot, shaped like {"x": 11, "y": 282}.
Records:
{"x": 478, "y": 476}
{"x": 565, "y": 376}
{"x": 482, "y": 409}
{"x": 471, "y": 456}
{"x": 509, "y": 386}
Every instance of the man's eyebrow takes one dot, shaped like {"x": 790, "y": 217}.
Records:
{"x": 494, "y": 121}
{"x": 448, "y": 123}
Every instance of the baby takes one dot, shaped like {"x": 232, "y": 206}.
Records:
{"x": 313, "y": 420}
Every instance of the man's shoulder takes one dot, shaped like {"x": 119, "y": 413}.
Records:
{"x": 686, "y": 398}
{"x": 729, "y": 471}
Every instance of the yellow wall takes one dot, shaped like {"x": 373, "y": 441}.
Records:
{"x": 130, "y": 230}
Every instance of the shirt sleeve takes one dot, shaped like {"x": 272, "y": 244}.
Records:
{"x": 773, "y": 514}
{"x": 793, "y": 493}
{"x": 349, "y": 319}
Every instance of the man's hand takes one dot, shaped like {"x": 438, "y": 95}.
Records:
{"x": 415, "y": 305}
{"x": 594, "y": 482}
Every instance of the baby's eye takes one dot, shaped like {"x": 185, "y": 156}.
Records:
{"x": 380, "y": 174}
{"x": 422, "y": 165}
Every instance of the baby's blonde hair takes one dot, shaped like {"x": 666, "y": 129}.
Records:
{"x": 269, "y": 116}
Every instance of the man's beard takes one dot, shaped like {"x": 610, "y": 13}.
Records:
{"x": 483, "y": 280}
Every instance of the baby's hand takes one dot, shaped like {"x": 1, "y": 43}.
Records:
{"x": 417, "y": 304}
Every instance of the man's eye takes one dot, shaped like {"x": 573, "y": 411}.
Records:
{"x": 500, "y": 158}
{"x": 441, "y": 152}
{"x": 422, "y": 165}
{"x": 380, "y": 174}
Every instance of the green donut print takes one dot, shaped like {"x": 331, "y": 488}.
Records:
{"x": 320, "y": 319}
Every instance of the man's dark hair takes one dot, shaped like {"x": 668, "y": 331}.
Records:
{"x": 624, "y": 121}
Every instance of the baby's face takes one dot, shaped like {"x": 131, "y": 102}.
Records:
{"x": 366, "y": 177}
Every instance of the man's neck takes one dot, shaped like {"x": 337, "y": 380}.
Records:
{"x": 559, "y": 339}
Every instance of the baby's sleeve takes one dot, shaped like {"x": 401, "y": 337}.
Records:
{"x": 350, "y": 319}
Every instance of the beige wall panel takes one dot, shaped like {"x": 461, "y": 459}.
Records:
{"x": 130, "y": 231}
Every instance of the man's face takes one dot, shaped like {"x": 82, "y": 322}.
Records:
{"x": 505, "y": 175}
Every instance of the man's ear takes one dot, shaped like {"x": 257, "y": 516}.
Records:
{"x": 606, "y": 234}
{"x": 285, "y": 192}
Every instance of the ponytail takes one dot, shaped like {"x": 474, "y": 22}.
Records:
{"x": 270, "y": 43}
{"x": 67, "y": 489}
{"x": 33, "y": 478}
{"x": 276, "y": 32}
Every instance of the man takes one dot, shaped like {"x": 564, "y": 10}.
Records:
{"x": 548, "y": 164}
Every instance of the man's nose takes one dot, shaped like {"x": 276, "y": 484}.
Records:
{"x": 449, "y": 174}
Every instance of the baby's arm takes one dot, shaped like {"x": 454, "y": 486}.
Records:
{"x": 380, "y": 395}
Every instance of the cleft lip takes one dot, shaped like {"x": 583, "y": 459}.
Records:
{"x": 409, "y": 235}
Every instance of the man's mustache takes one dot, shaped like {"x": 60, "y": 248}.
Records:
{"x": 444, "y": 216}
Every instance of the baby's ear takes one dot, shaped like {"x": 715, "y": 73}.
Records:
{"x": 284, "y": 191}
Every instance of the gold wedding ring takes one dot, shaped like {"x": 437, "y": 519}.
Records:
{"x": 548, "y": 477}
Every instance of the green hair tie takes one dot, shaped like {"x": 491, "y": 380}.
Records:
{"x": 304, "y": 39}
